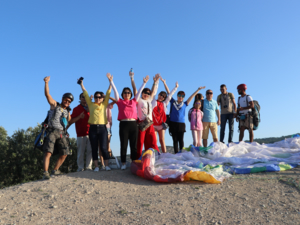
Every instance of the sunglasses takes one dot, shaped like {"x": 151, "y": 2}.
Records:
{"x": 162, "y": 95}
{"x": 198, "y": 103}
{"x": 146, "y": 93}
{"x": 209, "y": 93}
{"x": 181, "y": 96}
{"x": 68, "y": 101}
{"x": 98, "y": 97}
{"x": 126, "y": 93}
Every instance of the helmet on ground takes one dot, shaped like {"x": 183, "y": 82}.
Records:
{"x": 68, "y": 95}
{"x": 242, "y": 87}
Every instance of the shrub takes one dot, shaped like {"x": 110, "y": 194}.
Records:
{"x": 20, "y": 162}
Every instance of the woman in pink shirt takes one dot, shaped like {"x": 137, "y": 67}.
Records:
{"x": 127, "y": 116}
{"x": 195, "y": 117}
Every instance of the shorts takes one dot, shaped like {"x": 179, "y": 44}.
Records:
{"x": 56, "y": 142}
{"x": 158, "y": 127}
{"x": 109, "y": 131}
{"x": 247, "y": 123}
{"x": 213, "y": 127}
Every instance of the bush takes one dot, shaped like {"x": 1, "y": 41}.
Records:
{"x": 20, "y": 162}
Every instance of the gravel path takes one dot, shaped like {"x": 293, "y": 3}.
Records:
{"x": 119, "y": 197}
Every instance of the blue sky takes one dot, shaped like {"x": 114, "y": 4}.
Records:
{"x": 197, "y": 43}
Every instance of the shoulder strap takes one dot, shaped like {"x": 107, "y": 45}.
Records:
{"x": 239, "y": 101}
{"x": 202, "y": 105}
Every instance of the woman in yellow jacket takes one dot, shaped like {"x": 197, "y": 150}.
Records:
{"x": 98, "y": 120}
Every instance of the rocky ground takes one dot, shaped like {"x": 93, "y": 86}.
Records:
{"x": 119, "y": 197}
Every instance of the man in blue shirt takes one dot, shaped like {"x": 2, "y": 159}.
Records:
{"x": 210, "y": 108}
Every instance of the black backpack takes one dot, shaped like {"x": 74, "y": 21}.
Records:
{"x": 255, "y": 113}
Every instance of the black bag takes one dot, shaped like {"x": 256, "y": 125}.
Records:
{"x": 255, "y": 113}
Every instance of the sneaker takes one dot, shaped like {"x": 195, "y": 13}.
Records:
{"x": 88, "y": 168}
{"x": 107, "y": 168}
{"x": 103, "y": 168}
{"x": 123, "y": 167}
{"x": 56, "y": 172}
{"x": 96, "y": 169}
{"x": 80, "y": 169}
{"x": 46, "y": 175}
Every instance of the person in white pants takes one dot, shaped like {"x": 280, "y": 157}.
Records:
{"x": 80, "y": 117}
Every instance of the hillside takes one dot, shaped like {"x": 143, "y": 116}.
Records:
{"x": 271, "y": 139}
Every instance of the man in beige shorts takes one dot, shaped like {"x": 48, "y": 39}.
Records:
{"x": 210, "y": 108}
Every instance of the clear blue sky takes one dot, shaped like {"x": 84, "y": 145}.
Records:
{"x": 197, "y": 43}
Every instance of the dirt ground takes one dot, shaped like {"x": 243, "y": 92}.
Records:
{"x": 120, "y": 197}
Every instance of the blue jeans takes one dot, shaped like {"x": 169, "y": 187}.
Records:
{"x": 224, "y": 118}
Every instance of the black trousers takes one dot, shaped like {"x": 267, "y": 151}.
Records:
{"x": 128, "y": 131}
{"x": 177, "y": 139}
{"x": 98, "y": 135}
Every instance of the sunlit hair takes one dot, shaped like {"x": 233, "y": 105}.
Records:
{"x": 126, "y": 89}
{"x": 181, "y": 93}
{"x": 198, "y": 97}
{"x": 164, "y": 94}
{"x": 146, "y": 90}
{"x": 223, "y": 85}
{"x": 99, "y": 92}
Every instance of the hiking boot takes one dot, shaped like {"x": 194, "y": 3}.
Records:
{"x": 56, "y": 172}
{"x": 46, "y": 175}
{"x": 107, "y": 168}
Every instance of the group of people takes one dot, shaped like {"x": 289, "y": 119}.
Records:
{"x": 142, "y": 118}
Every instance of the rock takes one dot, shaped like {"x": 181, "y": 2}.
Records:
{"x": 160, "y": 212}
{"x": 54, "y": 207}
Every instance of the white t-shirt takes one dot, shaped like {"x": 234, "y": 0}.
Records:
{"x": 243, "y": 103}
{"x": 142, "y": 108}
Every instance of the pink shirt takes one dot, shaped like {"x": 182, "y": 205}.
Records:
{"x": 108, "y": 115}
{"x": 127, "y": 109}
{"x": 195, "y": 116}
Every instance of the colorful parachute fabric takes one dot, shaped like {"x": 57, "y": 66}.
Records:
{"x": 218, "y": 161}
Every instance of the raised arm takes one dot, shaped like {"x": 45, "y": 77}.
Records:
{"x": 171, "y": 94}
{"x": 165, "y": 84}
{"x": 50, "y": 100}
{"x": 110, "y": 78}
{"x": 107, "y": 96}
{"x": 193, "y": 95}
{"x": 131, "y": 74}
{"x": 85, "y": 94}
{"x": 155, "y": 85}
{"x": 138, "y": 94}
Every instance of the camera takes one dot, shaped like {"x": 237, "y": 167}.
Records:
{"x": 80, "y": 80}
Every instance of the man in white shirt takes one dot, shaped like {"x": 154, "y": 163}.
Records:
{"x": 245, "y": 106}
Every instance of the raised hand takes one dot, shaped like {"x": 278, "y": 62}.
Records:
{"x": 156, "y": 77}
{"x": 145, "y": 79}
{"x": 131, "y": 74}
{"x": 91, "y": 97}
{"x": 163, "y": 80}
{"x": 47, "y": 79}
{"x": 203, "y": 87}
{"x": 110, "y": 77}
{"x": 176, "y": 84}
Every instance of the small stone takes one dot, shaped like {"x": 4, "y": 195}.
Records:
{"x": 161, "y": 212}
{"x": 54, "y": 207}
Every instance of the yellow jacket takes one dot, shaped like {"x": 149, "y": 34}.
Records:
{"x": 97, "y": 112}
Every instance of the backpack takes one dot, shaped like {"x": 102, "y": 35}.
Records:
{"x": 39, "y": 140}
{"x": 255, "y": 113}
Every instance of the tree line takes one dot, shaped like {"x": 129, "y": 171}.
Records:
{"x": 20, "y": 162}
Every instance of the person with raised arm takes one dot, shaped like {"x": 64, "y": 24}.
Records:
{"x": 98, "y": 120}
{"x": 127, "y": 116}
{"x": 58, "y": 118}
{"x": 159, "y": 112}
{"x": 146, "y": 135}
{"x": 177, "y": 118}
